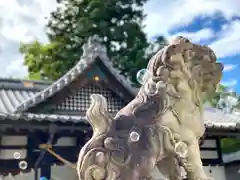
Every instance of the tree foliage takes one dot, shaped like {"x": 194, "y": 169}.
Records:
{"x": 214, "y": 98}
{"x": 117, "y": 22}
{"x": 222, "y": 92}
{"x": 230, "y": 145}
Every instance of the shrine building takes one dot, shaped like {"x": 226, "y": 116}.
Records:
{"x": 39, "y": 114}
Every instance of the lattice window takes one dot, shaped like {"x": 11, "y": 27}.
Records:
{"x": 80, "y": 101}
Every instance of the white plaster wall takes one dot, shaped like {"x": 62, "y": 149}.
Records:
{"x": 66, "y": 141}
{"x": 63, "y": 173}
{"x": 13, "y": 140}
{"x": 205, "y": 154}
{"x": 9, "y": 153}
{"x": 209, "y": 143}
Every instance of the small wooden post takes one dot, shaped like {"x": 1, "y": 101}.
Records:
{"x": 46, "y": 171}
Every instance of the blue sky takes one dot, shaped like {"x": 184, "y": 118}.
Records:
{"x": 211, "y": 22}
{"x": 231, "y": 74}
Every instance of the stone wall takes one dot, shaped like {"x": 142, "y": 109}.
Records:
{"x": 232, "y": 171}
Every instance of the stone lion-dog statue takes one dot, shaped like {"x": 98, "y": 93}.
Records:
{"x": 161, "y": 127}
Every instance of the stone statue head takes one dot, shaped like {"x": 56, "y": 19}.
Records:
{"x": 186, "y": 67}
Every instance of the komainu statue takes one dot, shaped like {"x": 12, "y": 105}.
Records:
{"x": 161, "y": 127}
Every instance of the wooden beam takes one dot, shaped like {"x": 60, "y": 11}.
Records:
{"x": 8, "y": 165}
{"x": 12, "y": 147}
{"x": 219, "y": 149}
{"x": 224, "y": 134}
{"x": 46, "y": 170}
{"x": 29, "y": 127}
{"x": 210, "y": 162}
{"x": 208, "y": 148}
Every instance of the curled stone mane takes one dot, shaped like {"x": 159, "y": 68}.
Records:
{"x": 191, "y": 53}
{"x": 182, "y": 59}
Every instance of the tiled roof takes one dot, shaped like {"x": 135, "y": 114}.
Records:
{"x": 215, "y": 118}
{"x": 92, "y": 50}
{"x": 13, "y": 92}
{"x": 10, "y": 98}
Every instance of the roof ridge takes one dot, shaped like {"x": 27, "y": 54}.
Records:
{"x": 91, "y": 51}
{"x": 24, "y": 85}
{"x": 125, "y": 81}
{"x": 5, "y": 79}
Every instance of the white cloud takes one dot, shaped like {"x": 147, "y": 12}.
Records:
{"x": 25, "y": 19}
{"x": 229, "y": 67}
{"x": 16, "y": 67}
{"x": 203, "y": 34}
{"x": 229, "y": 83}
{"x": 165, "y": 15}
{"x": 228, "y": 43}
{"x": 20, "y": 21}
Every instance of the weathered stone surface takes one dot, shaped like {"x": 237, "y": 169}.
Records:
{"x": 161, "y": 127}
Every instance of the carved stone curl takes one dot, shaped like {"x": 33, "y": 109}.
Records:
{"x": 161, "y": 126}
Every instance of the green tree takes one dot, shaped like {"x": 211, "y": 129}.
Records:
{"x": 214, "y": 98}
{"x": 117, "y": 22}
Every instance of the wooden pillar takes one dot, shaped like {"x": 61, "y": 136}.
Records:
{"x": 42, "y": 161}
{"x": 46, "y": 171}
{"x": 219, "y": 150}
